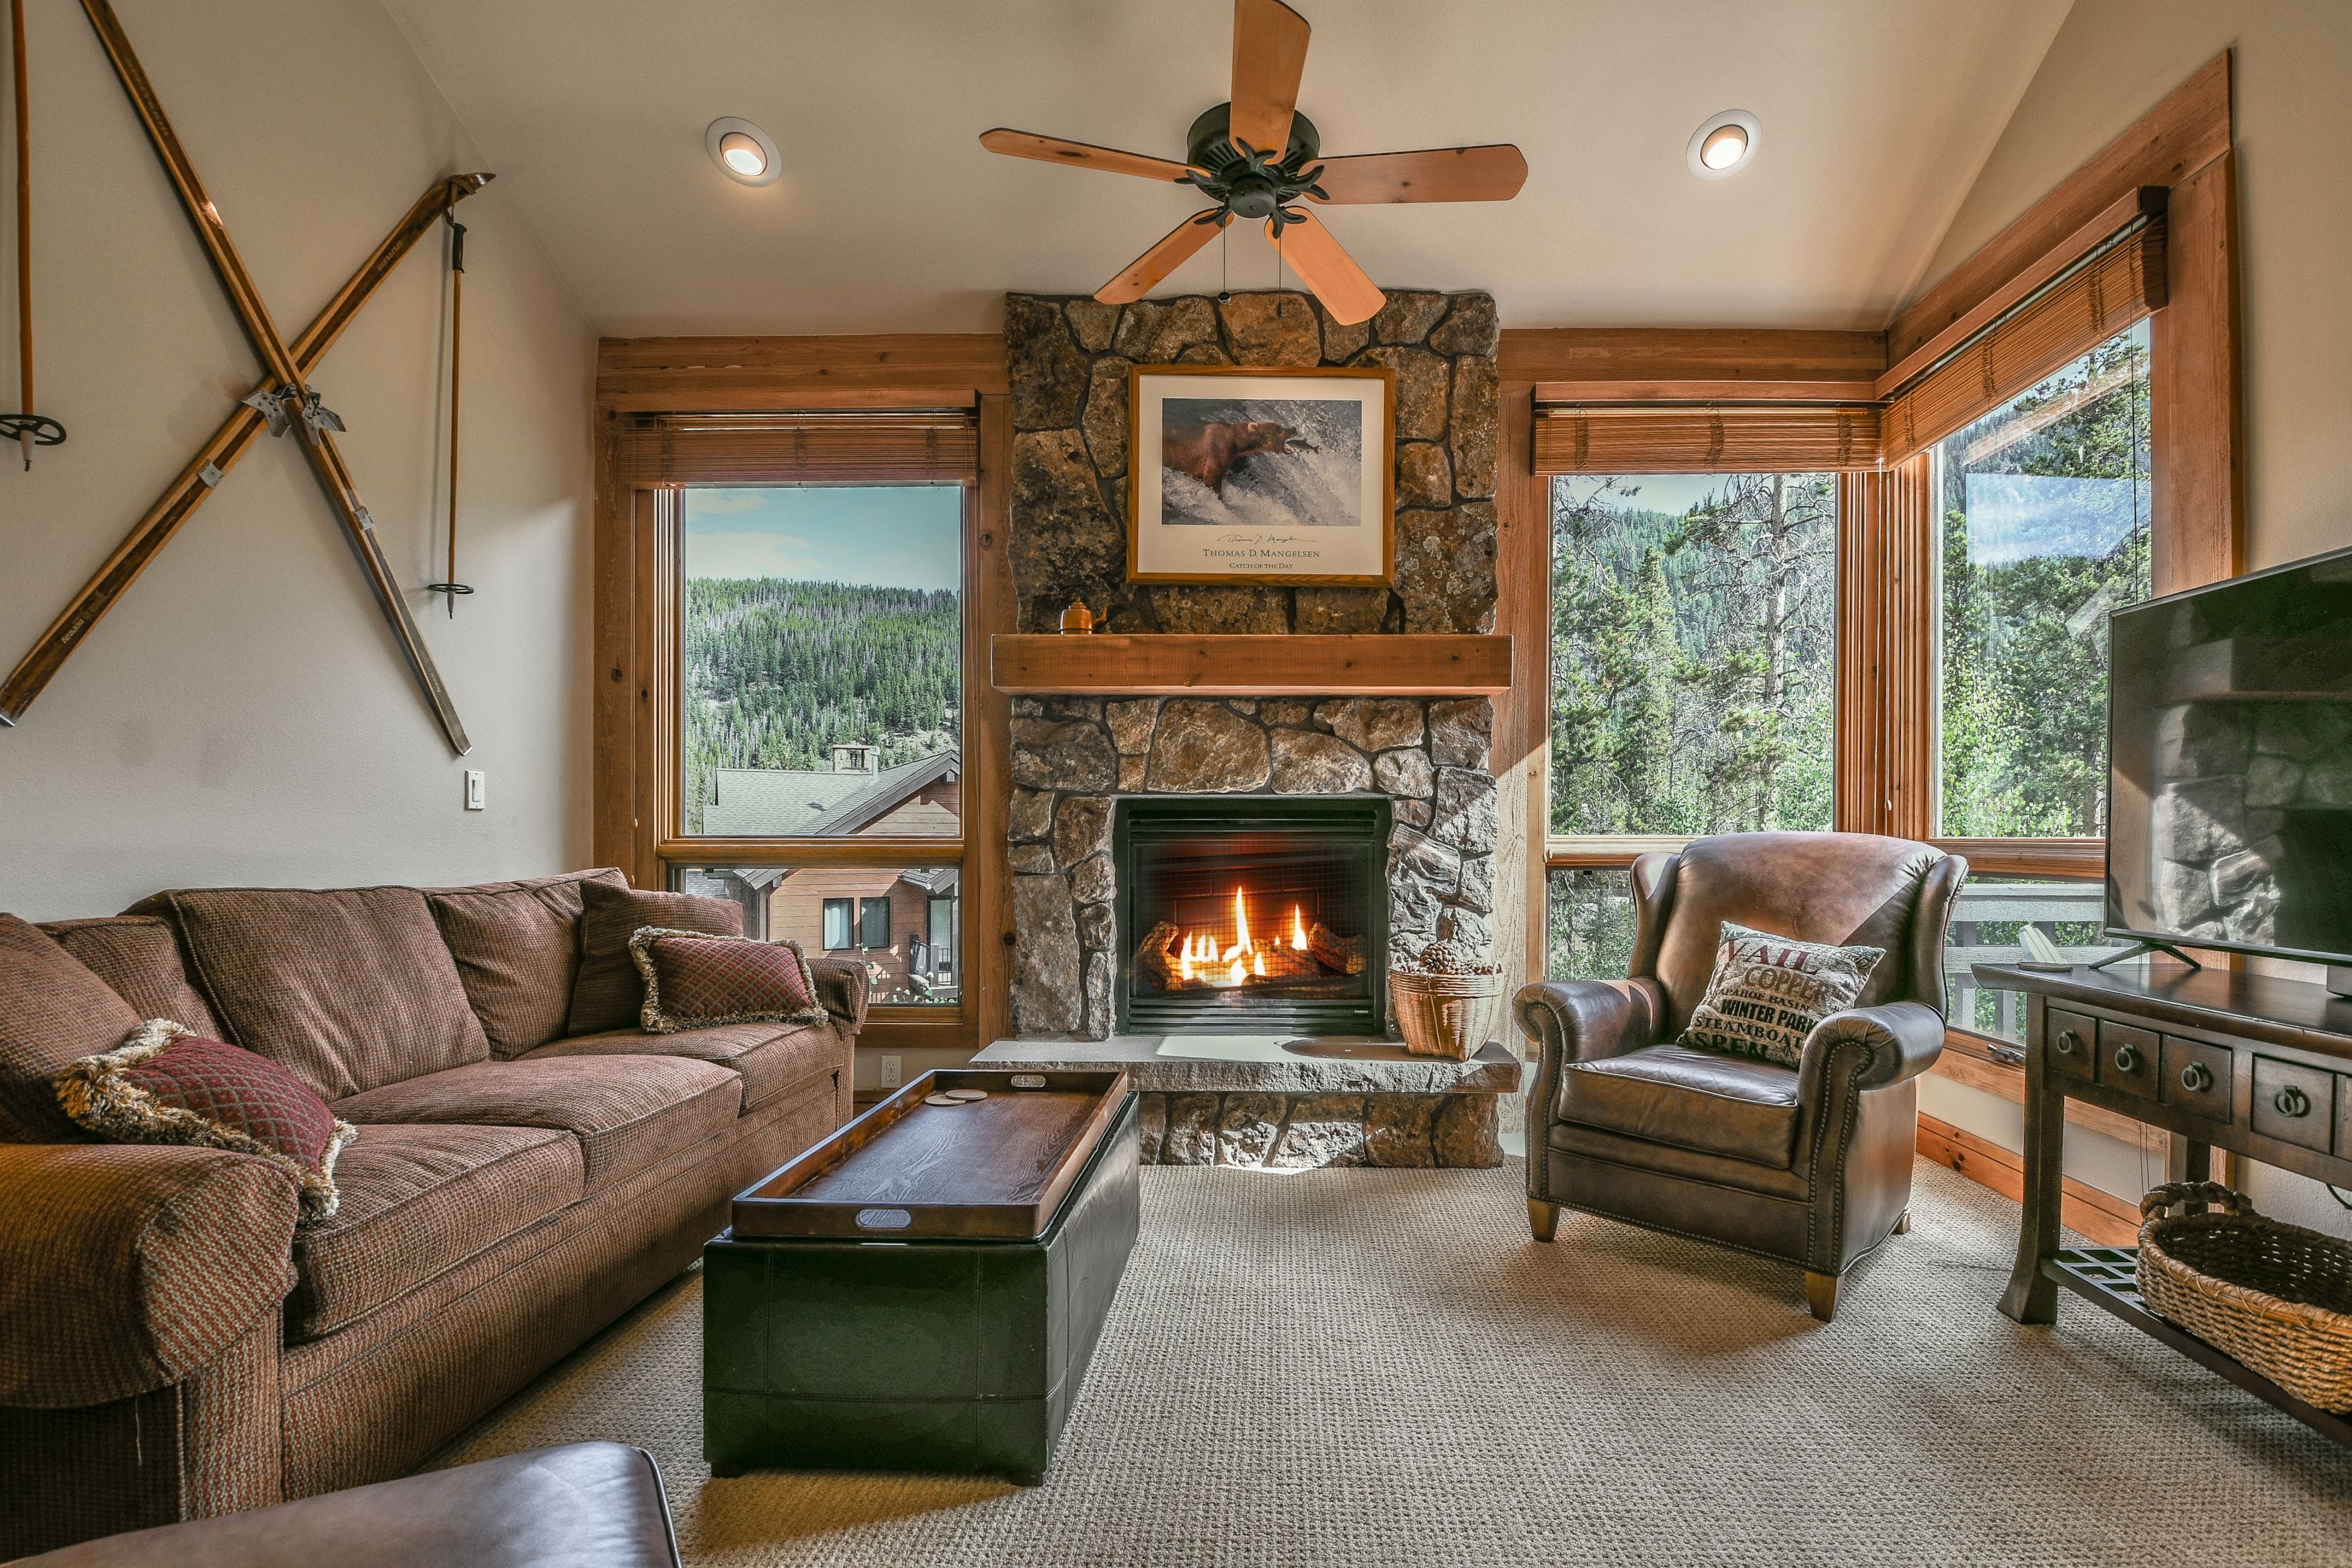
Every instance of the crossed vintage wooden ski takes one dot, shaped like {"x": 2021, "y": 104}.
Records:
{"x": 284, "y": 402}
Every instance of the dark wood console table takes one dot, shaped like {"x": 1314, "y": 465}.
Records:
{"x": 2222, "y": 1059}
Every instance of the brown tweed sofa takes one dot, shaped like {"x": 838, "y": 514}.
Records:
{"x": 170, "y": 1346}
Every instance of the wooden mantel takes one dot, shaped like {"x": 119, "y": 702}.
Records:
{"x": 1417, "y": 665}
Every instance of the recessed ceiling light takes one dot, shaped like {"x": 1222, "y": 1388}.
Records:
{"x": 1723, "y": 145}
{"x": 743, "y": 151}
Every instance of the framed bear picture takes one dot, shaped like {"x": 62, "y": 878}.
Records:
{"x": 1245, "y": 475}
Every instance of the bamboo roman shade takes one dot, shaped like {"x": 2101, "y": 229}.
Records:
{"x": 912, "y": 448}
{"x": 2100, "y": 281}
{"x": 2120, "y": 283}
{"x": 1623, "y": 438}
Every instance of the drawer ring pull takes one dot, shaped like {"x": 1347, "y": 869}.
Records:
{"x": 2197, "y": 1078}
{"x": 2127, "y": 1059}
{"x": 2066, "y": 1041}
{"x": 2292, "y": 1101}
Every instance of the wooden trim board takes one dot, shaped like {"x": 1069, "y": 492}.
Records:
{"x": 1275, "y": 665}
{"x": 2173, "y": 141}
{"x": 743, "y": 374}
{"x": 1600, "y": 364}
{"x": 2141, "y": 201}
{"x": 2106, "y": 1219}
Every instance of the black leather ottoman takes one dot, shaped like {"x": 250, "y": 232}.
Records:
{"x": 585, "y": 1504}
{"x": 929, "y": 1355}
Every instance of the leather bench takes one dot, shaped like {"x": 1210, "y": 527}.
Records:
{"x": 597, "y": 1503}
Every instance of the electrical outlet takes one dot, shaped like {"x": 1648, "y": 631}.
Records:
{"x": 473, "y": 777}
{"x": 889, "y": 1072}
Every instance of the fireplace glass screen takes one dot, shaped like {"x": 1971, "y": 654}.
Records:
{"x": 1252, "y": 913}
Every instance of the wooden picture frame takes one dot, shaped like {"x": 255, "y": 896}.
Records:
{"x": 1329, "y": 519}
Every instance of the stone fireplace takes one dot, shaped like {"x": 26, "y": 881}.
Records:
{"x": 1408, "y": 781}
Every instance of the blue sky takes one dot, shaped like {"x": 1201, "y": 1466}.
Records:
{"x": 1673, "y": 494}
{"x": 887, "y": 536}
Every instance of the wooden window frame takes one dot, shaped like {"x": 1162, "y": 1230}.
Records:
{"x": 1887, "y": 762}
{"x": 639, "y": 626}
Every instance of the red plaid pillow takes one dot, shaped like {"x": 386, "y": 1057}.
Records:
{"x": 693, "y": 980}
{"x": 165, "y": 1085}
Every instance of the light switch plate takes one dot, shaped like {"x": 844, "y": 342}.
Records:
{"x": 890, "y": 1078}
{"x": 473, "y": 786}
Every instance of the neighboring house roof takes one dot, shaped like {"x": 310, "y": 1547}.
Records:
{"x": 760, "y": 802}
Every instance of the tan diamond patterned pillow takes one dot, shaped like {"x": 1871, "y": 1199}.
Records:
{"x": 693, "y": 980}
{"x": 1767, "y": 992}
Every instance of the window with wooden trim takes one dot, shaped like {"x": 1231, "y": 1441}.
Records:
{"x": 822, "y": 650}
{"x": 799, "y": 600}
{"x": 2045, "y": 529}
{"x": 1693, "y": 674}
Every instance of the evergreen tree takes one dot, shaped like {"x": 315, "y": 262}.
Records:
{"x": 2025, "y": 622}
{"x": 780, "y": 672}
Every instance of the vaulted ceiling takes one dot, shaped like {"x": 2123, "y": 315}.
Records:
{"x": 1875, "y": 114}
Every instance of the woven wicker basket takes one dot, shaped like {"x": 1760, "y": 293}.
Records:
{"x": 2275, "y": 1296}
{"x": 1446, "y": 1015}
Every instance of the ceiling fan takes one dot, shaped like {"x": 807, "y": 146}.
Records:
{"x": 1256, "y": 158}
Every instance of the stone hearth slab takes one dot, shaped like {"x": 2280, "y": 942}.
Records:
{"x": 1251, "y": 1100}
{"x": 1257, "y": 1064}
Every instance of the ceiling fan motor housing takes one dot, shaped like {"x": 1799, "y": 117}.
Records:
{"x": 1250, "y": 186}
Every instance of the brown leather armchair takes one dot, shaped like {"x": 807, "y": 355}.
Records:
{"x": 1811, "y": 1166}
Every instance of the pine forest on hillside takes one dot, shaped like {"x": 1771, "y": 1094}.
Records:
{"x": 779, "y": 671}
{"x": 1693, "y": 656}
{"x": 2025, "y": 605}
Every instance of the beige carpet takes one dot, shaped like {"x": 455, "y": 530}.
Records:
{"x": 1364, "y": 1368}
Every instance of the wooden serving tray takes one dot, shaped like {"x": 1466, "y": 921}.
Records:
{"x": 993, "y": 1169}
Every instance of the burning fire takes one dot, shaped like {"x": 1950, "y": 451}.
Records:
{"x": 1205, "y": 957}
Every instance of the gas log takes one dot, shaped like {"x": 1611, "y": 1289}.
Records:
{"x": 1339, "y": 954}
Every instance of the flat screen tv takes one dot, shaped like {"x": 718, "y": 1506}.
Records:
{"x": 2230, "y": 752}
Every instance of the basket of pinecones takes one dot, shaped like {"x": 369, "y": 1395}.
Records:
{"x": 1448, "y": 1001}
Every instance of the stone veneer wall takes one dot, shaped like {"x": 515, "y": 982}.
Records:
{"x": 1070, "y": 755}
{"x": 1068, "y": 360}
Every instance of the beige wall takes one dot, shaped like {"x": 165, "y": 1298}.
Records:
{"x": 2111, "y": 60}
{"x": 242, "y": 717}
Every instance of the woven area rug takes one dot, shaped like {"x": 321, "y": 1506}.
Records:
{"x": 1365, "y": 1368}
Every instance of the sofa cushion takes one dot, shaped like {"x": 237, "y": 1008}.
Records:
{"x": 138, "y": 956}
{"x": 417, "y": 1201}
{"x": 165, "y": 1085}
{"x": 517, "y": 947}
{"x": 348, "y": 989}
{"x": 772, "y": 1059}
{"x": 53, "y": 1012}
{"x": 608, "y": 991}
{"x": 1737, "y": 1106}
{"x": 693, "y": 981}
{"x": 628, "y": 1111}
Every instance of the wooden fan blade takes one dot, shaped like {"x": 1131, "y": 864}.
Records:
{"x": 1316, "y": 255}
{"x": 1053, "y": 150}
{"x": 1145, "y": 271}
{"x": 1269, "y": 55}
{"x": 1491, "y": 173}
